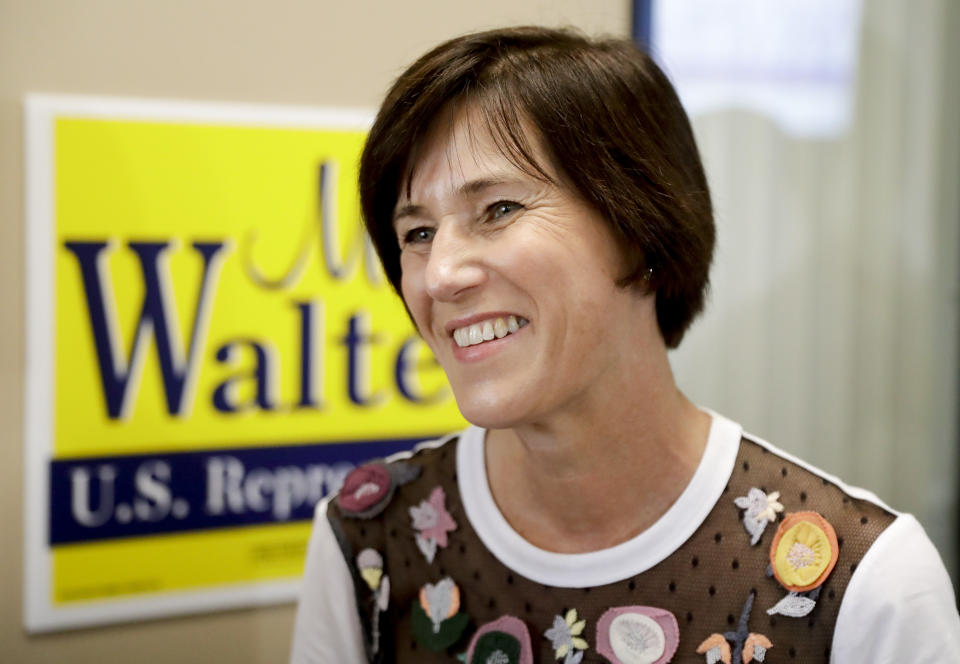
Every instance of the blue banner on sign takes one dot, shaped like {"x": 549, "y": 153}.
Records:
{"x": 125, "y": 496}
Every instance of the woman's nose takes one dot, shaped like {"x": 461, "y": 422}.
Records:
{"x": 455, "y": 264}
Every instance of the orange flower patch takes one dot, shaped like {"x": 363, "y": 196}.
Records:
{"x": 755, "y": 648}
{"x": 804, "y": 551}
{"x": 716, "y": 648}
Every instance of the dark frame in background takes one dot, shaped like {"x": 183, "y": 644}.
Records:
{"x": 641, "y": 23}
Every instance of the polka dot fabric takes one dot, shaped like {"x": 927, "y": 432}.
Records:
{"x": 704, "y": 583}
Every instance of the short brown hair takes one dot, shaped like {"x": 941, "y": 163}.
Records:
{"x": 610, "y": 123}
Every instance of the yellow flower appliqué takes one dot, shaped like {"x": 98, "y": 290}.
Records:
{"x": 804, "y": 551}
{"x": 565, "y": 636}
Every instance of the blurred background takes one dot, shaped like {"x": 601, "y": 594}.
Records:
{"x": 833, "y": 152}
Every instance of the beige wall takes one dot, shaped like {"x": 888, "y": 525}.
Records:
{"x": 319, "y": 53}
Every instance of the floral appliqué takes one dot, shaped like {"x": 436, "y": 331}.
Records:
{"x": 506, "y": 640}
{"x": 747, "y": 646}
{"x": 433, "y": 522}
{"x": 802, "y": 555}
{"x": 370, "y": 565}
{"x": 759, "y": 509}
{"x": 637, "y": 635}
{"x": 437, "y": 620}
{"x": 755, "y": 648}
{"x": 795, "y": 605}
{"x": 565, "y": 637}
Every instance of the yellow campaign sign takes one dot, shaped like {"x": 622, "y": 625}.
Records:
{"x": 213, "y": 346}
{"x": 166, "y": 563}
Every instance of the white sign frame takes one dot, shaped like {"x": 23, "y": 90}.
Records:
{"x": 40, "y": 112}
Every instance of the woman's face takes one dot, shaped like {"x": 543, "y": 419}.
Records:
{"x": 493, "y": 255}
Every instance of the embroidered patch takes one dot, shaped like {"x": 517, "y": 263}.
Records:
{"x": 437, "y": 622}
{"x": 367, "y": 490}
{"x": 498, "y": 648}
{"x": 506, "y": 640}
{"x": 804, "y": 551}
{"x": 428, "y": 547}
{"x": 440, "y": 601}
{"x": 793, "y": 605}
{"x": 433, "y": 522}
{"x": 383, "y": 594}
{"x": 565, "y": 637}
{"x": 759, "y": 509}
{"x": 370, "y": 564}
{"x": 717, "y": 649}
{"x": 755, "y": 648}
{"x": 637, "y": 635}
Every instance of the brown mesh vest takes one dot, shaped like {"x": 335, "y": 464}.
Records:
{"x": 704, "y": 583}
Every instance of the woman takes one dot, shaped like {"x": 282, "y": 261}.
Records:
{"x": 538, "y": 201}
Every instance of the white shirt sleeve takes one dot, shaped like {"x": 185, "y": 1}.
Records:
{"x": 327, "y": 629}
{"x": 899, "y": 605}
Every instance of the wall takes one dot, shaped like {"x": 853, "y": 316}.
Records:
{"x": 320, "y": 53}
{"x": 836, "y": 285}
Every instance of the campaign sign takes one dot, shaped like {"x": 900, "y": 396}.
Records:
{"x": 211, "y": 348}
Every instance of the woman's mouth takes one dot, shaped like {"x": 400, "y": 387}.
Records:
{"x": 488, "y": 330}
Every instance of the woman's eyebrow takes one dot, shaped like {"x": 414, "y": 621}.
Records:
{"x": 471, "y": 188}
{"x": 407, "y": 211}
{"x": 481, "y": 184}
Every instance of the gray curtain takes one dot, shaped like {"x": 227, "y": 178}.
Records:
{"x": 833, "y": 325}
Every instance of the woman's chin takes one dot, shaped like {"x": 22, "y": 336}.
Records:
{"x": 492, "y": 412}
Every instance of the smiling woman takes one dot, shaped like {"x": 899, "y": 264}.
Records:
{"x": 483, "y": 244}
{"x": 538, "y": 202}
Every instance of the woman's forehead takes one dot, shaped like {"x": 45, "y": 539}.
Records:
{"x": 462, "y": 153}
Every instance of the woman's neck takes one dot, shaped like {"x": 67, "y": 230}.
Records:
{"x": 600, "y": 472}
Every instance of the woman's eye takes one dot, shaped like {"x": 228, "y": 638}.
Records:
{"x": 419, "y": 235}
{"x": 502, "y": 209}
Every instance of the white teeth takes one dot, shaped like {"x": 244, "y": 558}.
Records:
{"x": 495, "y": 328}
{"x": 487, "y": 330}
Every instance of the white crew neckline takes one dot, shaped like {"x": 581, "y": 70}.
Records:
{"x": 596, "y": 568}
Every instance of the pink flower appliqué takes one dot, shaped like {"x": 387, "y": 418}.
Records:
{"x": 433, "y": 521}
